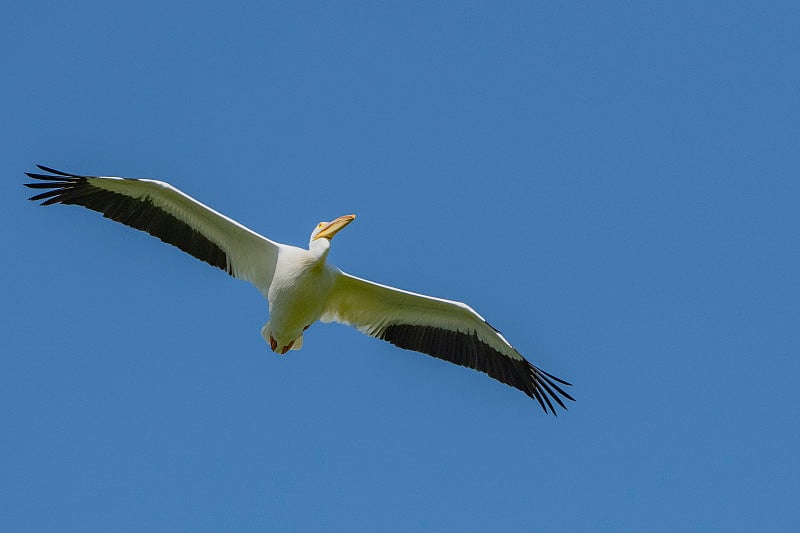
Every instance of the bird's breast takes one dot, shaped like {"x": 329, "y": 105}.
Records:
{"x": 297, "y": 297}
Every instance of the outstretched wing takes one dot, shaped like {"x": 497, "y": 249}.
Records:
{"x": 167, "y": 213}
{"x": 449, "y": 330}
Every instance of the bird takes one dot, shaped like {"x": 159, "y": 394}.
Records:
{"x": 300, "y": 285}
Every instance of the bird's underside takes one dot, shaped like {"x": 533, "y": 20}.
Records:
{"x": 300, "y": 285}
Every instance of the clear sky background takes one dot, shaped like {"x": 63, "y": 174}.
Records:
{"x": 615, "y": 187}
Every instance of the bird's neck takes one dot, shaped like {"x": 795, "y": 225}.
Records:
{"x": 319, "y": 249}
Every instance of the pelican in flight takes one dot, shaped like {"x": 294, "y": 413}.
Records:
{"x": 300, "y": 285}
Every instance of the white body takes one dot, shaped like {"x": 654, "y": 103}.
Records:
{"x": 300, "y": 288}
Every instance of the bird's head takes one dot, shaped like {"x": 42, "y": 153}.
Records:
{"x": 326, "y": 230}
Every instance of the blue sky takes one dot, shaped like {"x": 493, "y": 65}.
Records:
{"x": 615, "y": 187}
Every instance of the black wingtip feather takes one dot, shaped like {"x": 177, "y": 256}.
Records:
{"x": 40, "y": 185}
{"x": 58, "y": 172}
{"x": 538, "y": 398}
{"x": 43, "y": 177}
{"x": 46, "y": 194}
{"x": 547, "y": 399}
{"x": 551, "y": 376}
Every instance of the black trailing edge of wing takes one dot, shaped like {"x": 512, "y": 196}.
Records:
{"x": 469, "y": 351}
{"x": 139, "y": 213}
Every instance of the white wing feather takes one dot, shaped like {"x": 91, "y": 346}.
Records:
{"x": 371, "y": 307}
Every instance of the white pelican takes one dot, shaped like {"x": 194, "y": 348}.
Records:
{"x": 300, "y": 285}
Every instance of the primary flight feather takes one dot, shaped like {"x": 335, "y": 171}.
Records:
{"x": 300, "y": 285}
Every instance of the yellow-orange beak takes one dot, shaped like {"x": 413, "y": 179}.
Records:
{"x": 333, "y": 227}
